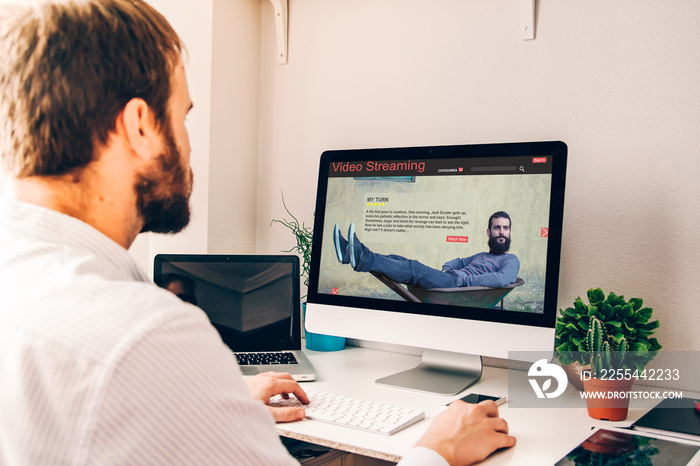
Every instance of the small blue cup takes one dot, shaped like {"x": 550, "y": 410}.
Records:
{"x": 320, "y": 342}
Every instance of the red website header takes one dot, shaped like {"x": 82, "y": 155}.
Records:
{"x": 441, "y": 167}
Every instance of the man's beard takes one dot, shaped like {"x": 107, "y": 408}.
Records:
{"x": 499, "y": 248}
{"x": 163, "y": 193}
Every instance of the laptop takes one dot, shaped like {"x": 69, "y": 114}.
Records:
{"x": 252, "y": 301}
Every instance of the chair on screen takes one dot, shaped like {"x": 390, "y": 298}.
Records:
{"x": 471, "y": 296}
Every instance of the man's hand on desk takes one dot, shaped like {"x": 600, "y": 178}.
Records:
{"x": 467, "y": 433}
{"x": 265, "y": 386}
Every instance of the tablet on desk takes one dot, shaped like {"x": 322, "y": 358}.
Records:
{"x": 612, "y": 447}
{"x": 673, "y": 417}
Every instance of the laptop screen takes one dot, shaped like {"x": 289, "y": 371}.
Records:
{"x": 253, "y": 301}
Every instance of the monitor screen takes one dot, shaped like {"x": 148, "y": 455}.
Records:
{"x": 251, "y": 300}
{"x": 462, "y": 233}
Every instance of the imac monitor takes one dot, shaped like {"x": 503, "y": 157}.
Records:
{"x": 451, "y": 249}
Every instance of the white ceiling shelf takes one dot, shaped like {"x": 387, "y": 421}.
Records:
{"x": 527, "y": 23}
{"x": 281, "y": 22}
{"x": 527, "y": 19}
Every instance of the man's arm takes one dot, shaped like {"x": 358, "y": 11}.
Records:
{"x": 456, "y": 264}
{"x": 465, "y": 434}
{"x": 177, "y": 396}
{"x": 506, "y": 275}
{"x": 265, "y": 386}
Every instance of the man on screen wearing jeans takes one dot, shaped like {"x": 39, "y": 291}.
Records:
{"x": 496, "y": 268}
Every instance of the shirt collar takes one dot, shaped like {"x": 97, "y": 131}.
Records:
{"x": 44, "y": 224}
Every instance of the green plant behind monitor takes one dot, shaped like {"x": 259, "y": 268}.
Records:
{"x": 303, "y": 236}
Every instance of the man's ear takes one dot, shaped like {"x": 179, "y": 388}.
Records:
{"x": 139, "y": 128}
{"x": 488, "y": 232}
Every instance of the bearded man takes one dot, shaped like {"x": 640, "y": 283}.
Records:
{"x": 99, "y": 365}
{"x": 496, "y": 268}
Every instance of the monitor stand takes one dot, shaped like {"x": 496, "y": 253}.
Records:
{"x": 439, "y": 372}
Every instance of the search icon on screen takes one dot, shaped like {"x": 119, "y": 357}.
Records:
{"x": 522, "y": 169}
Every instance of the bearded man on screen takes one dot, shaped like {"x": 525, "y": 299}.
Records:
{"x": 496, "y": 268}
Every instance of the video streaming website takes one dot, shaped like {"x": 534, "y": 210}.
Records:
{"x": 434, "y": 211}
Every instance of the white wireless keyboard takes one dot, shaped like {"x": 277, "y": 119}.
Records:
{"x": 365, "y": 415}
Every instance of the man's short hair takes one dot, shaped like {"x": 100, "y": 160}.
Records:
{"x": 67, "y": 70}
{"x": 499, "y": 214}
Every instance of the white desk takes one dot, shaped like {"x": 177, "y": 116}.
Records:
{"x": 544, "y": 435}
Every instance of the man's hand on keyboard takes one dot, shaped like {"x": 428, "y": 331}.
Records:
{"x": 265, "y": 386}
{"x": 467, "y": 433}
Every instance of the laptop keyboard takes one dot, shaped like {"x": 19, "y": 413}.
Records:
{"x": 370, "y": 416}
{"x": 255, "y": 359}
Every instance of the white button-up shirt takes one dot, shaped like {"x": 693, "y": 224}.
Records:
{"x": 100, "y": 366}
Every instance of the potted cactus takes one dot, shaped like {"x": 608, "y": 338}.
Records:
{"x": 606, "y": 354}
{"x": 610, "y": 377}
{"x": 620, "y": 319}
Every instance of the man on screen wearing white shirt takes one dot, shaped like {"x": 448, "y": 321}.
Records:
{"x": 98, "y": 365}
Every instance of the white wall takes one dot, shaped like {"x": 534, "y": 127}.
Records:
{"x": 192, "y": 21}
{"x": 617, "y": 81}
{"x": 222, "y": 38}
{"x": 234, "y": 126}
{"x": 222, "y": 66}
